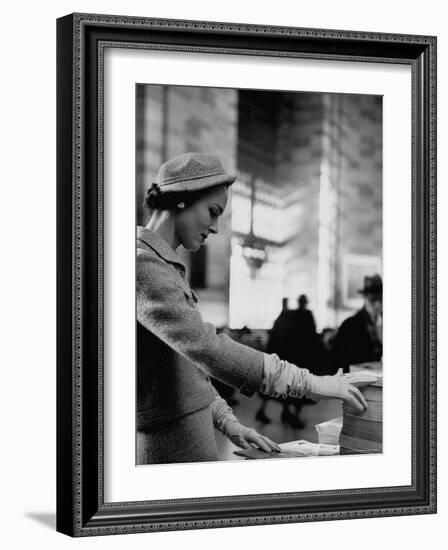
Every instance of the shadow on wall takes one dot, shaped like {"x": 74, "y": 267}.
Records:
{"x": 47, "y": 519}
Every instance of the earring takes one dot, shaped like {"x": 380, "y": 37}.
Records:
{"x": 181, "y": 205}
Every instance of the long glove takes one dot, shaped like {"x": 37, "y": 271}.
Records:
{"x": 283, "y": 379}
{"x": 227, "y": 423}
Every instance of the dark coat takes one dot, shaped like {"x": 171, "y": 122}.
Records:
{"x": 356, "y": 341}
{"x": 293, "y": 336}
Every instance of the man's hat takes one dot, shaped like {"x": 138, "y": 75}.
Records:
{"x": 372, "y": 285}
{"x": 192, "y": 172}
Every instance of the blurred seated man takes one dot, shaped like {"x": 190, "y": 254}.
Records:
{"x": 359, "y": 338}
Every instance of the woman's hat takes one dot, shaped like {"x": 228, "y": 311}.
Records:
{"x": 192, "y": 172}
{"x": 372, "y": 285}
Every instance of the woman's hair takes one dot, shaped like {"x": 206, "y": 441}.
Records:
{"x": 156, "y": 199}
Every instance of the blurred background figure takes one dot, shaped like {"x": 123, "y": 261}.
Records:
{"x": 293, "y": 338}
{"x": 359, "y": 338}
{"x": 293, "y": 335}
{"x": 305, "y": 318}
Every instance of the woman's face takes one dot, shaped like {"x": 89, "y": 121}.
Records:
{"x": 194, "y": 223}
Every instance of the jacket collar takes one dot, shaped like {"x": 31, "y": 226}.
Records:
{"x": 159, "y": 245}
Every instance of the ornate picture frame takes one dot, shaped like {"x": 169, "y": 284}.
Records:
{"x": 81, "y": 507}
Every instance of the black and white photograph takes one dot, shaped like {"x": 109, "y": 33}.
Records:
{"x": 259, "y": 274}
{"x": 246, "y": 275}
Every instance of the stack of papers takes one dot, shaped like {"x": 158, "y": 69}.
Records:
{"x": 363, "y": 431}
{"x": 292, "y": 449}
{"x": 328, "y": 432}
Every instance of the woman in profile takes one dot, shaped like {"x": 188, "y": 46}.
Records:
{"x": 177, "y": 406}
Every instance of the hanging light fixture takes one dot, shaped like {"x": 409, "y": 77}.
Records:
{"x": 254, "y": 250}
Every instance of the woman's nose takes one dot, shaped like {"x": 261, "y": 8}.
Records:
{"x": 213, "y": 228}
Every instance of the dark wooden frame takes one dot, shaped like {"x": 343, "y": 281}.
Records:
{"x": 81, "y": 39}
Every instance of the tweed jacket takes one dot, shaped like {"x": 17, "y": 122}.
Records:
{"x": 176, "y": 349}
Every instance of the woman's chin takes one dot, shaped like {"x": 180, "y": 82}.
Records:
{"x": 193, "y": 247}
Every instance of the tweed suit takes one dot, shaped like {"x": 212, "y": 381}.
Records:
{"x": 176, "y": 352}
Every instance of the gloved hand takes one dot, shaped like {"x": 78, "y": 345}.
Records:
{"x": 242, "y": 436}
{"x": 246, "y": 438}
{"x": 283, "y": 379}
{"x": 324, "y": 387}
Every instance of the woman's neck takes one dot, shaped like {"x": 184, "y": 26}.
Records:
{"x": 163, "y": 224}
